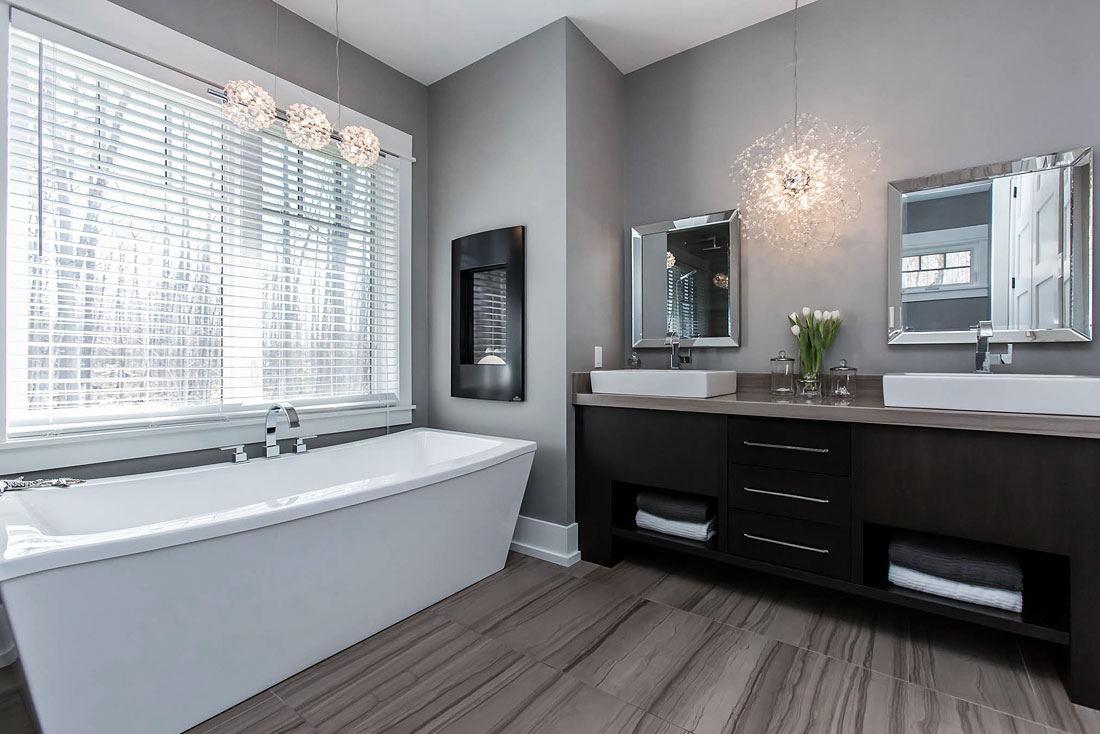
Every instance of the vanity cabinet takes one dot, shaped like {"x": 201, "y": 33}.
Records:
{"x": 817, "y": 501}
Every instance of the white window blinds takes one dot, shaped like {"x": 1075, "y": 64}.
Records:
{"x": 163, "y": 264}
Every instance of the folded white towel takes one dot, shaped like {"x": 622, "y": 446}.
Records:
{"x": 1012, "y": 601}
{"x": 701, "y": 531}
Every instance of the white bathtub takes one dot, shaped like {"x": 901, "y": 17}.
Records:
{"x": 150, "y": 603}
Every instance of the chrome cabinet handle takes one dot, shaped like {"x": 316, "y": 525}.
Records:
{"x": 810, "y": 548}
{"x": 821, "y": 500}
{"x": 785, "y": 447}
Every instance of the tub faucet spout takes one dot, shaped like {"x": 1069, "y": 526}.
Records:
{"x": 271, "y": 440}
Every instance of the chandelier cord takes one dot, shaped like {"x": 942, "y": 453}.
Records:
{"x": 339, "y": 110}
{"x": 795, "y": 44}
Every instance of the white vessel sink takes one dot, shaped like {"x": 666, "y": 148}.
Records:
{"x": 665, "y": 383}
{"x": 1001, "y": 393}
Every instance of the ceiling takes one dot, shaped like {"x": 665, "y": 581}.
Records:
{"x": 430, "y": 39}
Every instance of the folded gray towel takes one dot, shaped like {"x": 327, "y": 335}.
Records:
{"x": 674, "y": 505}
{"x": 957, "y": 560}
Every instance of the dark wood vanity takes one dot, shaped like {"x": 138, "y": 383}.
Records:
{"x": 813, "y": 493}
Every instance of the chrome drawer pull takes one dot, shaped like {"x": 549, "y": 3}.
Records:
{"x": 821, "y": 500}
{"x": 808, "y": 449}
{"x": 789, "y": 545}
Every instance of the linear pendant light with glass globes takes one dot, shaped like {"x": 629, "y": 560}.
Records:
{"x": 248, "y": 106}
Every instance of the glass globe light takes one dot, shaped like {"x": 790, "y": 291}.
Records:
{"x": 307, "y": 127}
{"x": 247, "y": 105}
{"x": 670, "y": 260}
{"x": 722, "y": 280}
{"x": 359, "y": 145}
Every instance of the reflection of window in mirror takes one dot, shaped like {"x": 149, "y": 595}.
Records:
{"x": 945, "y": 257}
{"x": 697, "y": 281}
{"x": 485, "y": 292}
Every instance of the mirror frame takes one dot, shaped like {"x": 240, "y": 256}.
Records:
{"x": 733, "y": 217}
{"x": 895, "y": 328}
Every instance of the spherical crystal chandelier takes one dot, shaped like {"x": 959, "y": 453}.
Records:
{"x": 670, "y": 260}
{"x": 799, "y": 184}
{"x": 247, "y": 105}
{"x": 359, "y": 145}
{"x": 307, "y": 127}
{"x": 721, "y": 280}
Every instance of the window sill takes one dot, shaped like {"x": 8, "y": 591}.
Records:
{"x": 49, "y": 452}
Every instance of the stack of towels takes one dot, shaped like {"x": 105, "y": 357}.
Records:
{"x": 674, "y": 513}
{"x": 958, "y": 570}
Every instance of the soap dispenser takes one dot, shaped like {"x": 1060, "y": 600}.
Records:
{"x": 635, "y": 362}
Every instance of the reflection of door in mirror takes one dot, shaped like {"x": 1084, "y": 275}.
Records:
{"x": 1036, "y": 226}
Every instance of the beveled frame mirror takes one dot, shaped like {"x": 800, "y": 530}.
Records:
{"x": 686, "y": 278}
{"x": 1008, "y": 242}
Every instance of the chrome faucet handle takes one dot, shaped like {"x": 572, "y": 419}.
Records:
{"x": 300, "y": 444}
{"x": 672, "y": 338}
{"x": 985, "y": 329}
{"x": 239, "y": 455}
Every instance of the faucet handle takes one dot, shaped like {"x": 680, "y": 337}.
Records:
{"x": 672, "y": 337}
{"x": 239, "y": 455}
{"x": 985, "y": 328}
{"x": 300, "y": 444}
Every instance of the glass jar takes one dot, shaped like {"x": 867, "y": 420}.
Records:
{"x": 782, "y": 375}
{"x": 842, "y": 380}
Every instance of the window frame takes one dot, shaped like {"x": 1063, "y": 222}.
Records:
{"x": 124, "y": 38}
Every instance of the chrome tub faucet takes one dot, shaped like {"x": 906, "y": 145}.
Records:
{"x": 271, "y": 441}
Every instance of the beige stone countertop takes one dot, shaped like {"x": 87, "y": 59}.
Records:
{"x": 754, "y": 399}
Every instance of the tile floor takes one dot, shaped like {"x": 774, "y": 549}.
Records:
{"x": 650, "y": 647}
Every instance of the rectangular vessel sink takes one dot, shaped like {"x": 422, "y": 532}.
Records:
{"x": 665, "y": 383}
{"x": 1000, "y": 393}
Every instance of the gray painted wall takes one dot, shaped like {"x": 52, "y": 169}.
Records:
{"x": 306, "y": 55}
{"x": 532, "y": 135}
{"x": 498, "y": 139}
{"x": 942, "y": 85}
{"x": 594, "y": 194}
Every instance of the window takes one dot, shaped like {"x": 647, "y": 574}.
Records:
{"x": 165, "y": 266}
{"x": 942, "y": 268}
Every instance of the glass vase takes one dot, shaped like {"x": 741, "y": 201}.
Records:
{"x": 809, "y": 385}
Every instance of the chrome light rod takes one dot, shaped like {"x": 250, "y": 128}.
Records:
{"x": 280, "y": 115}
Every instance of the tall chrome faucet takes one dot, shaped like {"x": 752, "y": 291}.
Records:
{"x": 672, "y": 339}
{"x": 981, "y": 354}
{"x": 271, "y": 442}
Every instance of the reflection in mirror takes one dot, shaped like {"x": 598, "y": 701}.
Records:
{"x": 489, "y": 309}
{"x": 1008, "y": 243}
{"x": 686, "y": 281}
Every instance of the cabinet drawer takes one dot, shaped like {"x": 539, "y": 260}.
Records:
{"x": 825, "y": 448}
{"x": 808, "y": 546}
{"x": 818, "y": 497}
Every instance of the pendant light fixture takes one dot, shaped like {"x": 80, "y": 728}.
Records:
{"x": 359, "y": 145}
{"x": 249, "y": 106}
{"x": 799, "y": 184}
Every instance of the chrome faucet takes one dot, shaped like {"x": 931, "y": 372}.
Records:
{"x": 672, "y": 339}
{"x": 981, "y": 354}
{"x": 271, "y": 442}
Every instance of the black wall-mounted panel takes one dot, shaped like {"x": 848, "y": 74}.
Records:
{"x": 487, "y": 302}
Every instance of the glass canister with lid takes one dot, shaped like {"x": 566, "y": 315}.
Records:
{"x": 782, "y": 375}
{"x": 842, "y": 380}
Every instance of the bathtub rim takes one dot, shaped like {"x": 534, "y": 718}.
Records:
{"x": 69, "y": 550}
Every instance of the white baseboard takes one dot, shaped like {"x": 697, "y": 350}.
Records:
{"x": 546, "y": 540}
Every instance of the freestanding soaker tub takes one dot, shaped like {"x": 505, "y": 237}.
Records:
{"x": 149, "y": 603}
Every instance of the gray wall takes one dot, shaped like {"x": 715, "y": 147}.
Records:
{"x": 306, "y": 55}
{"x": 594, "y": 216}
{"x": 498, "y": 139}
{"x": 942, "y": 85}
{"x": 532, "y": 135}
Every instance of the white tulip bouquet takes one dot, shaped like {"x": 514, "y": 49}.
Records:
{"x": 815, "y": 331}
